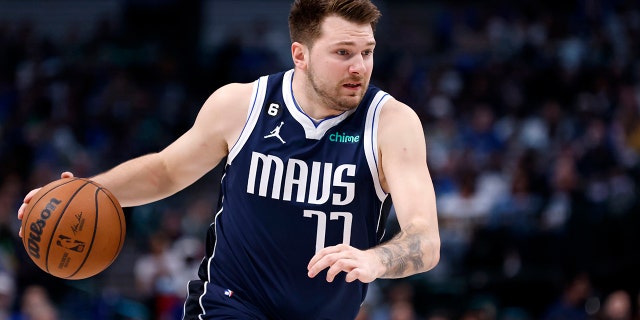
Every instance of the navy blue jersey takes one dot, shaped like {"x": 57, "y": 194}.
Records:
{"x": 291, "y": 187}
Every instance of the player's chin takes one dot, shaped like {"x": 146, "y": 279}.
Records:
{"x": 349, "y": 102}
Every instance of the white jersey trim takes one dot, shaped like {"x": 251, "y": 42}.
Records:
{"x": 371, "y": 139}
{"x": 209, "y": 261}
{"x": 255, "y": 105}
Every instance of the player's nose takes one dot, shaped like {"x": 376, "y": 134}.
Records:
{"x": 358, "y": 65}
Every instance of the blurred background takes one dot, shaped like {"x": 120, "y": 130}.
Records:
{"x": 531, "y": 113}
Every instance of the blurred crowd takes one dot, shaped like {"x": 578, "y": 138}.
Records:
{"x": 531, "y": 113}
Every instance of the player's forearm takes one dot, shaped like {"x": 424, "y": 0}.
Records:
{"x": 412, "y": 250}
{"x": 138, "y": 181}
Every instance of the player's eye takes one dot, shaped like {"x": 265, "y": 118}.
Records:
{"x": 367, "y": 52}
{"x": 342, "y": 52}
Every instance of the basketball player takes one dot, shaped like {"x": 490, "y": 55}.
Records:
{"x": 313, "y": 156}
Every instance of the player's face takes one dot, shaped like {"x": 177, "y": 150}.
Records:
{"x": 340, "y": 63}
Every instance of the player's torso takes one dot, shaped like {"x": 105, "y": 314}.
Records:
{"x": 292, "y": 187}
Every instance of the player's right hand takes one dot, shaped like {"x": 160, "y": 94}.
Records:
{"x": 29, "y": 195}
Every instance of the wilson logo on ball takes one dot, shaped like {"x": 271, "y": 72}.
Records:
{"x": 37, "y": 227}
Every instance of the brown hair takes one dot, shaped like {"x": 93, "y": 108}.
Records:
{"x": 306, "y": 16}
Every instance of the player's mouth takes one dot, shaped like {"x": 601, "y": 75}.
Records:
{"x": 352, "y": 85}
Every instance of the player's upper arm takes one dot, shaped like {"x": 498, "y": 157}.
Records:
{"x": 215, "y": 129}
{"x": 403, "y": 165}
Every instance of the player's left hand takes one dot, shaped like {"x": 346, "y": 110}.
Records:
{"x": 30, "y": 195}
{"x": 358, "y": 264}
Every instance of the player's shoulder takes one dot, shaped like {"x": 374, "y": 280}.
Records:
{"x": 228, "y": 99}
{"x": 398, "y": 120}
{"x": 225, "y": 111}
{"x": 238, "y": 96}
{"x": 394, "y": 111}
{"x": 232, "y": 93}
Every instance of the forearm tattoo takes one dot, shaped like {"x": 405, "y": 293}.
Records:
{"x": 402, "y": 255}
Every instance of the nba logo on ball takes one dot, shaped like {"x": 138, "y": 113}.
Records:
{"x": 73, "y": 228}
{"x": 70, "y": 244}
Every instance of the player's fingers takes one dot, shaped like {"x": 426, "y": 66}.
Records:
{"x": 353, "y": 275}
{"x": 319, "y": 262}
{"x": 66, "y": 174}
{"x": 361, "y": 273}
{"x": 314, "y": 260}
{"x": 20, "y": 232}
{"x": 26, "y": 200}
{"x": 318, "y": 265}
{"x": 341, "y": 265}
{"x": 324, "y": 261}
{"x": 334, "y": 261}
{"x": 21, "y": 211}
{"x": 30, "y": 195}
{"x": 321, "y": 254}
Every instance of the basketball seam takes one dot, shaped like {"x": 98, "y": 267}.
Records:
{"x": 120, "y": 219}
{"x": 118, "y": 207}
{"x": 93, "y": 236}
{"x": 53, "y": 231}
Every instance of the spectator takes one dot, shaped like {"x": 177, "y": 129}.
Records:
{"x": 617, "y": 306}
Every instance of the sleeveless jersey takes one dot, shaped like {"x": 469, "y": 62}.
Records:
{"x": 291, "y": 187}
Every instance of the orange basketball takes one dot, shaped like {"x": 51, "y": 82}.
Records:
{"x": 73, "y": 228}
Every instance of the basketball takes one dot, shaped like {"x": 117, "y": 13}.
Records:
{"x": 73, "y": 228}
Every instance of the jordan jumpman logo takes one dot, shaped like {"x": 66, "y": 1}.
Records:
{"x": 276, "y": 133}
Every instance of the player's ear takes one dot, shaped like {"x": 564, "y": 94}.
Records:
{"x": 299, "y": 53}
